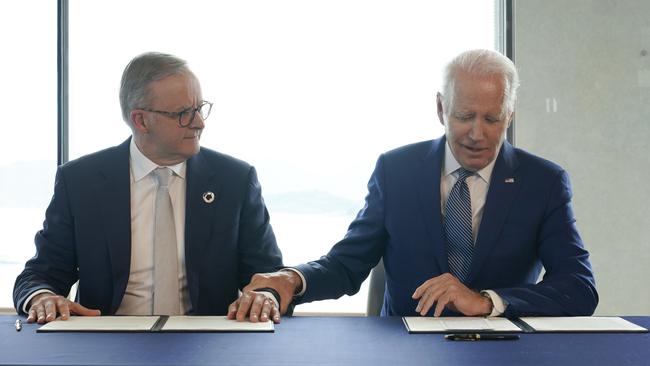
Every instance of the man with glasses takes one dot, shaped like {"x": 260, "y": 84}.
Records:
{"x": 157, "y": 225}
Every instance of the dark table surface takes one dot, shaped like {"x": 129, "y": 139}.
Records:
{"x": 319, "y": 341}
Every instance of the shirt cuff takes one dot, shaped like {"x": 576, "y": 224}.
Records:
{"x": 30, "y": 297}
{"x": 498, "y": 305}
{"x": 302, "y": 278}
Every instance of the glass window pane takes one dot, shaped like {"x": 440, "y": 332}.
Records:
{"x": 28, "y": 149}
{"x": 308, "y": 92}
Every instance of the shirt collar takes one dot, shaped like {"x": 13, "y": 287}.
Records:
{"x": 451, "y": 165}
{"x": 141, "y": 166}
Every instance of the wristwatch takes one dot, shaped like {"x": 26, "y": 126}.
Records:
{"x": 487, "y": 295}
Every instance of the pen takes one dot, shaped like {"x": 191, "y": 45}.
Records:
{"x": 481, "y": 337}
{"x": 19, "y": 325}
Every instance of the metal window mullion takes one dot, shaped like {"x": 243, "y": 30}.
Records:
{"x": 62, "y": 83}
{"x": 509, "y": 34}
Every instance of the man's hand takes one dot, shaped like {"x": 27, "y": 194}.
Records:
{"x": 44, "y": 308}
{"x": 257, "y": 305}
{"x": 252, "y": 304}
{"x": 447, "y": 291}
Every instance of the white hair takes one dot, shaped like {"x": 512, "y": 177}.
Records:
{"x": 482, "y": 63}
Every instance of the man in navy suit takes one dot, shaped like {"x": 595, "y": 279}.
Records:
{"x": 99, "y": 226}
{"x": 521, "y": 219}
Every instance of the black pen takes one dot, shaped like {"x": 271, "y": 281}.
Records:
{"x": 19, "y": 325}
{"x": 480, "y": 337}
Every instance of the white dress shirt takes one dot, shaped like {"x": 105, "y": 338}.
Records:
{"x": 138, "y": 298}
{"x": 478, "y": 185}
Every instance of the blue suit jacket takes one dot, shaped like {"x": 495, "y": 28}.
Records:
{"x": 87, "y": 232}
{"x": 527, "y": 224}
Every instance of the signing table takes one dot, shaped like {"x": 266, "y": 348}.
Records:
{"x": 335, "y": 341}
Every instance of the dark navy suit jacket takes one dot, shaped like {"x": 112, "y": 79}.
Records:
{"x": 87, "y": 232}
{"x": 527, "y": 224}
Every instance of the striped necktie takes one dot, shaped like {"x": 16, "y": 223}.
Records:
{"x": 458, "y": 227}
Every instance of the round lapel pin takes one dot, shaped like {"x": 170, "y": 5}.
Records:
{"x": 208, "y": 197}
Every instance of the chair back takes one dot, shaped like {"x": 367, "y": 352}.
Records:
{"x": 376, "y": 290}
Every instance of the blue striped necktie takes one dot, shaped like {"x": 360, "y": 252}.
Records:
{"x": 458, "y": 227}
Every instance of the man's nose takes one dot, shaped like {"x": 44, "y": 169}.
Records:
{"x": 197, "y": 122}
{"x": 476, "y": 130}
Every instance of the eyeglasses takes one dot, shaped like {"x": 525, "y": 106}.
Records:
{"x": 186, "y": 117}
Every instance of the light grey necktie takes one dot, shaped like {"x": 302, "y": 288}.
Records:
{"x": 165, "y": 294}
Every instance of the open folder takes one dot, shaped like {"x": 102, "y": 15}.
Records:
{"x": 154, "y": 324}
{"x": 582, "y": 324}
{"x": 421, "y": 324}
{"x": 596, "y": 324}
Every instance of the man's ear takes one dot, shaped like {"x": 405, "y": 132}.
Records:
{"x": 138, "y": 121}
{"x": 440, "y": 110}
{"x": 510, "y": 119}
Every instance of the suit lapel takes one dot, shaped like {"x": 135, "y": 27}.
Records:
{"x": 504, "y": 185}
{"x": 429, "y": 194}
{"x": 114, "y": 190}
{"x": 202, "y": 179}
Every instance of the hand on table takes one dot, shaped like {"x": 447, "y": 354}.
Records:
{"x": 256, "y": 306}
{"x": 447, "y": 291}
{"x": 45, "y": 307}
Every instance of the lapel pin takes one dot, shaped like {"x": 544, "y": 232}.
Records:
{"x": 208, "y": 197}
{"x": 510, "y": 180}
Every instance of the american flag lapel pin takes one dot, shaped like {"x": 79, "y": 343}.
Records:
{"x": 510, "y": 180}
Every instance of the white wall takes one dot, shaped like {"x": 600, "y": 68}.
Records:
{"x": 585, "y": 104}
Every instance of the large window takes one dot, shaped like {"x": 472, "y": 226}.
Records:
{"x": 309, "y": 92}
{"x": 28, "y": 149}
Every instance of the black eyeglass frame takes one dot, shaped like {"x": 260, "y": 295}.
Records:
{"x": 182, "y": 113}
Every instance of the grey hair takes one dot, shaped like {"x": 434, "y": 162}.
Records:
{"x": 142, "y": 71}
{"x": 482, "y": 63}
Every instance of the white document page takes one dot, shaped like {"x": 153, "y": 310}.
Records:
{"x": 582, "y": 324}
{"x": 101, "y": 324}
{"x": 420, "y": 324}
{"x": 213, "y": 324}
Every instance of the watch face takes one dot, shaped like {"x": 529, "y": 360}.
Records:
{"x": 487, "y": 296}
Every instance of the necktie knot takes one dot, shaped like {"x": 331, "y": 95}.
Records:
{"x": 464, "y": 174}
{"x": 163, "y": 175}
